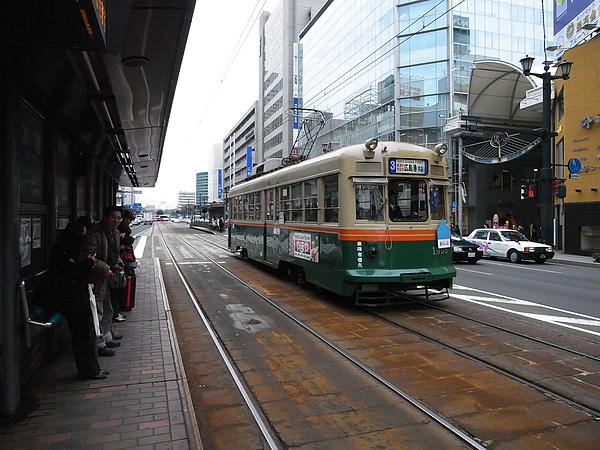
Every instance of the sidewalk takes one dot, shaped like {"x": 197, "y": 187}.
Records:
{"x": 574, "y": 260}
{"x": 143, "y": 403}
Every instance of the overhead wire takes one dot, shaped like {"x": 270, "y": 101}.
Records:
{"x": 236, "y": 50}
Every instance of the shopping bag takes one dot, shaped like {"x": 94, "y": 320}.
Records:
{"x": 94, "y": 311}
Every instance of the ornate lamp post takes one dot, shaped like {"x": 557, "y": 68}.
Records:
{"x": 546, "y": 174}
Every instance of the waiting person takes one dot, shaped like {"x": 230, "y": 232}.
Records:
{"x": 73, "y": 260}
{"x": 105, "y": 237}
{"x": 126, "y": 295}
{"x": 117, "y": 292}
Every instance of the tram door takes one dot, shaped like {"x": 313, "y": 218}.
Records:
{"x": 269, "y": 219}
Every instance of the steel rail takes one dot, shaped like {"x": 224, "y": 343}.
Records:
{"x": 549, "y": 392}
{"x": 420, "y": 406}
{"x": 254, "y": 409}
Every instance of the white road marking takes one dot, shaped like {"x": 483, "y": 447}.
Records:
{"x": 140, "y": 246}
{"x": 492, "y": 300}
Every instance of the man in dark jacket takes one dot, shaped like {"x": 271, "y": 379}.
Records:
{"x": 105, "y": 237}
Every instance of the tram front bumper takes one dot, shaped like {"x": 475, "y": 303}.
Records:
{"x": 398, "y": 276}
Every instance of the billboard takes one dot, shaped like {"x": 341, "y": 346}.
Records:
{"x": 248, "y": 161}
{"x": 570, "y": 18}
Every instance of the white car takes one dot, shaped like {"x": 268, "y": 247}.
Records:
{"x": 505, "y": 243}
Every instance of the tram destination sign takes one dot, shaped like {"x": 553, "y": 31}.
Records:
{"x": 408, "y": 166}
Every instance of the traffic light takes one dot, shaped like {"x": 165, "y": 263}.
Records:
{"x": 561, "y": 190}
{"x": 529, "y": 190}
{"x": 523, "y": 192}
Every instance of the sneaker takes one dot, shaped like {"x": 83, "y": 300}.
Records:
{"x": 104, "y": 351}
{"x": 119, "y": 318}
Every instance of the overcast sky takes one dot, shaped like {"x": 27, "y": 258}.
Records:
{"x": 218, "y": 83}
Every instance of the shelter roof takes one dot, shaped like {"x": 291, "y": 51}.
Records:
{"x": 496, "y": 89}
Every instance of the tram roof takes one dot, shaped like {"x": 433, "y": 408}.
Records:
{"x": 122, "y": 56}
{"x": 344, "y": 160}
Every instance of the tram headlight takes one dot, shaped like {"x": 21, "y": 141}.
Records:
{"x": 372, "y": 252}
{"x": 372, "y": 144}
{"x": 441, "y": 149}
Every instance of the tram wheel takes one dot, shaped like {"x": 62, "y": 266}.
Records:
{"x": 300, "y": 277}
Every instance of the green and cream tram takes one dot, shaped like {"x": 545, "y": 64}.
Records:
{"x": 368, "y": 221}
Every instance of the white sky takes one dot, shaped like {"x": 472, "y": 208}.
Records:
{"x": 218, "y": 83}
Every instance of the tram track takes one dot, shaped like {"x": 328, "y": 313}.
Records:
{"x": 269, "y": 436}
{"x": 554, "y": 393}
{"x": 371, "y": 354}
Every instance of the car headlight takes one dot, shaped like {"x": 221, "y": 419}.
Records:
{"x": 548, "y": 249}
{"x": 457, "y": 249}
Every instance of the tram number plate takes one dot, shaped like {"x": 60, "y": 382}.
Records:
{"x": 411, "y": 166}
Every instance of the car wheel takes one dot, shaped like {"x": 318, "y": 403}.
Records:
{"x": 514, "y": 256}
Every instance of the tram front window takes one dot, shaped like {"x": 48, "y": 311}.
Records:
{"x": 369, "y": 202}
{"x": 407, "y": 200}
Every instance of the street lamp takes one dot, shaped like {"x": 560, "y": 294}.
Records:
{"x": 546, "y": 175}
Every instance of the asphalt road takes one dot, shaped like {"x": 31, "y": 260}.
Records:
{"x": 553, "y": 291}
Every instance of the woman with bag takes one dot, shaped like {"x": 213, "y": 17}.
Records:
{"x": 126, "y": 296}
{"x": 64, "y": 288}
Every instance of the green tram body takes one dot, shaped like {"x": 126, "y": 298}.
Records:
{"x": 307, "y": 220}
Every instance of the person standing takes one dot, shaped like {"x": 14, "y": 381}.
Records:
{"x": 105, "y": 237}
{"x": 126, "y": 295}
{"x": 71, "y": 259}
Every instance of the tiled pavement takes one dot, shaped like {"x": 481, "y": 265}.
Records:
{"x": 144, "y": 402}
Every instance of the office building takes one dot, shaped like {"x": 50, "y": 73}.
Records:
{"x": 278, "y": 76}
{"x": 202, "y": 188}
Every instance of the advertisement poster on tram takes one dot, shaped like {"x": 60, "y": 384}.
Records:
{"x": 305, "y": 246}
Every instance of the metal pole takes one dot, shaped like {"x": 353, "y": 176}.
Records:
{"x": 460, "y": 186}
{"x": 546, "y": 194}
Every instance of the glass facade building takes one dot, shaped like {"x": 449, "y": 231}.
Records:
{"x": 397, "y": 69}
{"x": 201, "y": 188}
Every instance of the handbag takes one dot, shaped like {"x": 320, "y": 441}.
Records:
{"x": 118, "y": 280}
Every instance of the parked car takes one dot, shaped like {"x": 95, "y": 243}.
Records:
{"x": 464, "y": 250}
{"x": 505, "y": 243}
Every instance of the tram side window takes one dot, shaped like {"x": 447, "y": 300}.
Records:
{"x": 244, "y": 207}
{"x": 369, "y": 201}
{"x": 234, "y": 208}
{"x": 284, "y": 202}
{"x": 310, "y": 201}
{"x": 270, "y": 205}
{"x": 330, "y": 184}
{"x": 437, "y": 202}
{"x": 254, "y": 206}
{"x": 297, "y": 202}
{"x": 412, "y": 199}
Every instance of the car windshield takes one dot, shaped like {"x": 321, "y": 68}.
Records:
{"x": 512, "y": 235}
